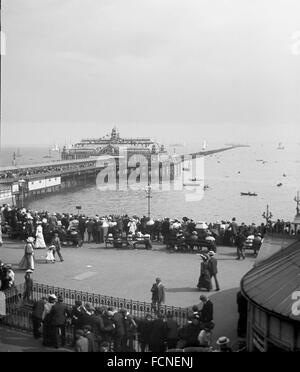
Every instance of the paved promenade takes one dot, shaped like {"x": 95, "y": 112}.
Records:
{"x": 130, "y": 274}
{"x": 16, "y": 341}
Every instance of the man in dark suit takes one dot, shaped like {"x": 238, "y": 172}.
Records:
{"x": 213, "y": 268}
{"x": 206, "y": 315}
{"x": 234, "y": 228}
{"x": 59, "y": 314}
{"x": 158, "y": 335}
{"x": 120, "y": 334}
{"x": 37, "y": 313}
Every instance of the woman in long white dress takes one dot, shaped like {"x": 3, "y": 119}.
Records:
{"x": 27, "y": 261}
{"x": 39, "y": 242}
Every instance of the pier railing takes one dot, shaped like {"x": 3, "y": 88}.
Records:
{"x": 18, "y": 311}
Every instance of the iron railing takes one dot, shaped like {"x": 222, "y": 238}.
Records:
{"x": 19, "y": 312}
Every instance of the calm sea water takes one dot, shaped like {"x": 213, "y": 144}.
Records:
{"x": 221, "y": 201}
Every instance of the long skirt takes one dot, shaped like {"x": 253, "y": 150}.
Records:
{"x": 40, "y": 242}
{"x": 48, "y": 332}
{"x": 205, "y": 281}
{"x": 27, "y": 262}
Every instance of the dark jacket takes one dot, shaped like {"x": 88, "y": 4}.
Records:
{"x": 172, "y": 329}
{"x": 92, "y": 342}
{"x": 213, "y": 266}
{"x": 207, "y": 312}
{"x": 158, "y": 336}
{"x": 38, "y": 309}
{"x": 59, "y": 313}
{"x": 119, "y": 322}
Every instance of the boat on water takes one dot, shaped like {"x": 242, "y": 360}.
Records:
{"x": 279, "y": 184}
{"x": 191, "y": 184}
{"x": 195, "y": 179}
{"x": 248, "y": 193}
{"x": 204, "y": 145}
{"x": 280, "y": 146}
{"x": 185, "y": 169}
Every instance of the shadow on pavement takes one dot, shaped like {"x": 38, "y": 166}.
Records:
{"x": 184, "y": 289}
{"x": 225, "y": 313}
{"x": 14, "y": 341}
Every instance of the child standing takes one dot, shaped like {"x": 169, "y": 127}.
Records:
{"x": 50, "y": 256}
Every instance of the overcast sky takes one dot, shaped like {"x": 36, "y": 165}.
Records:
{"x": 221, "y": 70}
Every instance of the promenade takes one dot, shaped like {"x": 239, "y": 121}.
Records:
{"x": 130, "y": 273}
{"x": 16, "y": 341}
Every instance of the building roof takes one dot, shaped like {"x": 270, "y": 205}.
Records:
{"x": 272, "y": 283}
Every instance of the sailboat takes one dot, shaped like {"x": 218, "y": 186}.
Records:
{"x": 204, "y": 145}
{"x": 280, "y": 146}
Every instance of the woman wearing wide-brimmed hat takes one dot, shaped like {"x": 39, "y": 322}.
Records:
{"x": 205, "y": 278}
{"x": 27, "y": 262}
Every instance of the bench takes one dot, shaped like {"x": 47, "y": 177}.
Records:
{"x": 144, "y": 242}
{"x": 116, "y": 242}
{"x": 187, "y": 244}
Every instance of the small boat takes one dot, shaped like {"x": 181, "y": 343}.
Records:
{"x": 195, "y": 179}
{"x": 185, "y": 169}
{"x": 284, "y": 175}
{"x": 191, "y": 184}
{"x": 280, "y": 146}
{"x": 205, "y": 187}
{"x": 248, "y": 194}
{"x": 279, "y": 184}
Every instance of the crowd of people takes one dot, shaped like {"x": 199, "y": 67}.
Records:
{"x": 182, "y": 234}
{"x": 103, "y": 329}
{"x": 23, "y": 223}
{"x": 17, "y": 173}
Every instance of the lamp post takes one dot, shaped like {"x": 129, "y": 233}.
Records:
{"x": 297, "y": 217}
{"x": 267, "y": 215}
{"x": 21, "y": 185}
{"x": 297, "y": 200}
{"x": 78, "y": 207}
{"x": 149, "y": 196}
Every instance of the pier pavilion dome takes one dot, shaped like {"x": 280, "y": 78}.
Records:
{"x": 272, "y": 290}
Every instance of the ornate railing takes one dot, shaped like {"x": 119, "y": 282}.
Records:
{"x": 19, "y": 311}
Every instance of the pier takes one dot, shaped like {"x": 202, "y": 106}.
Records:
{"x": 18, "y": 183}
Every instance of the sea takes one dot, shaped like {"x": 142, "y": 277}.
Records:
{"x": 258, "y": 169}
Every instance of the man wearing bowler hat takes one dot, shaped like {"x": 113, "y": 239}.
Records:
{"x": 58, "y": 314}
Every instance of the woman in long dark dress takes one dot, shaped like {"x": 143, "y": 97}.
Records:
{"x": 48, "y": 329}
{"x": 205, "y": 278}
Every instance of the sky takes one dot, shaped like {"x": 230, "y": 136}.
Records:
{"x": 175, "y": 70}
